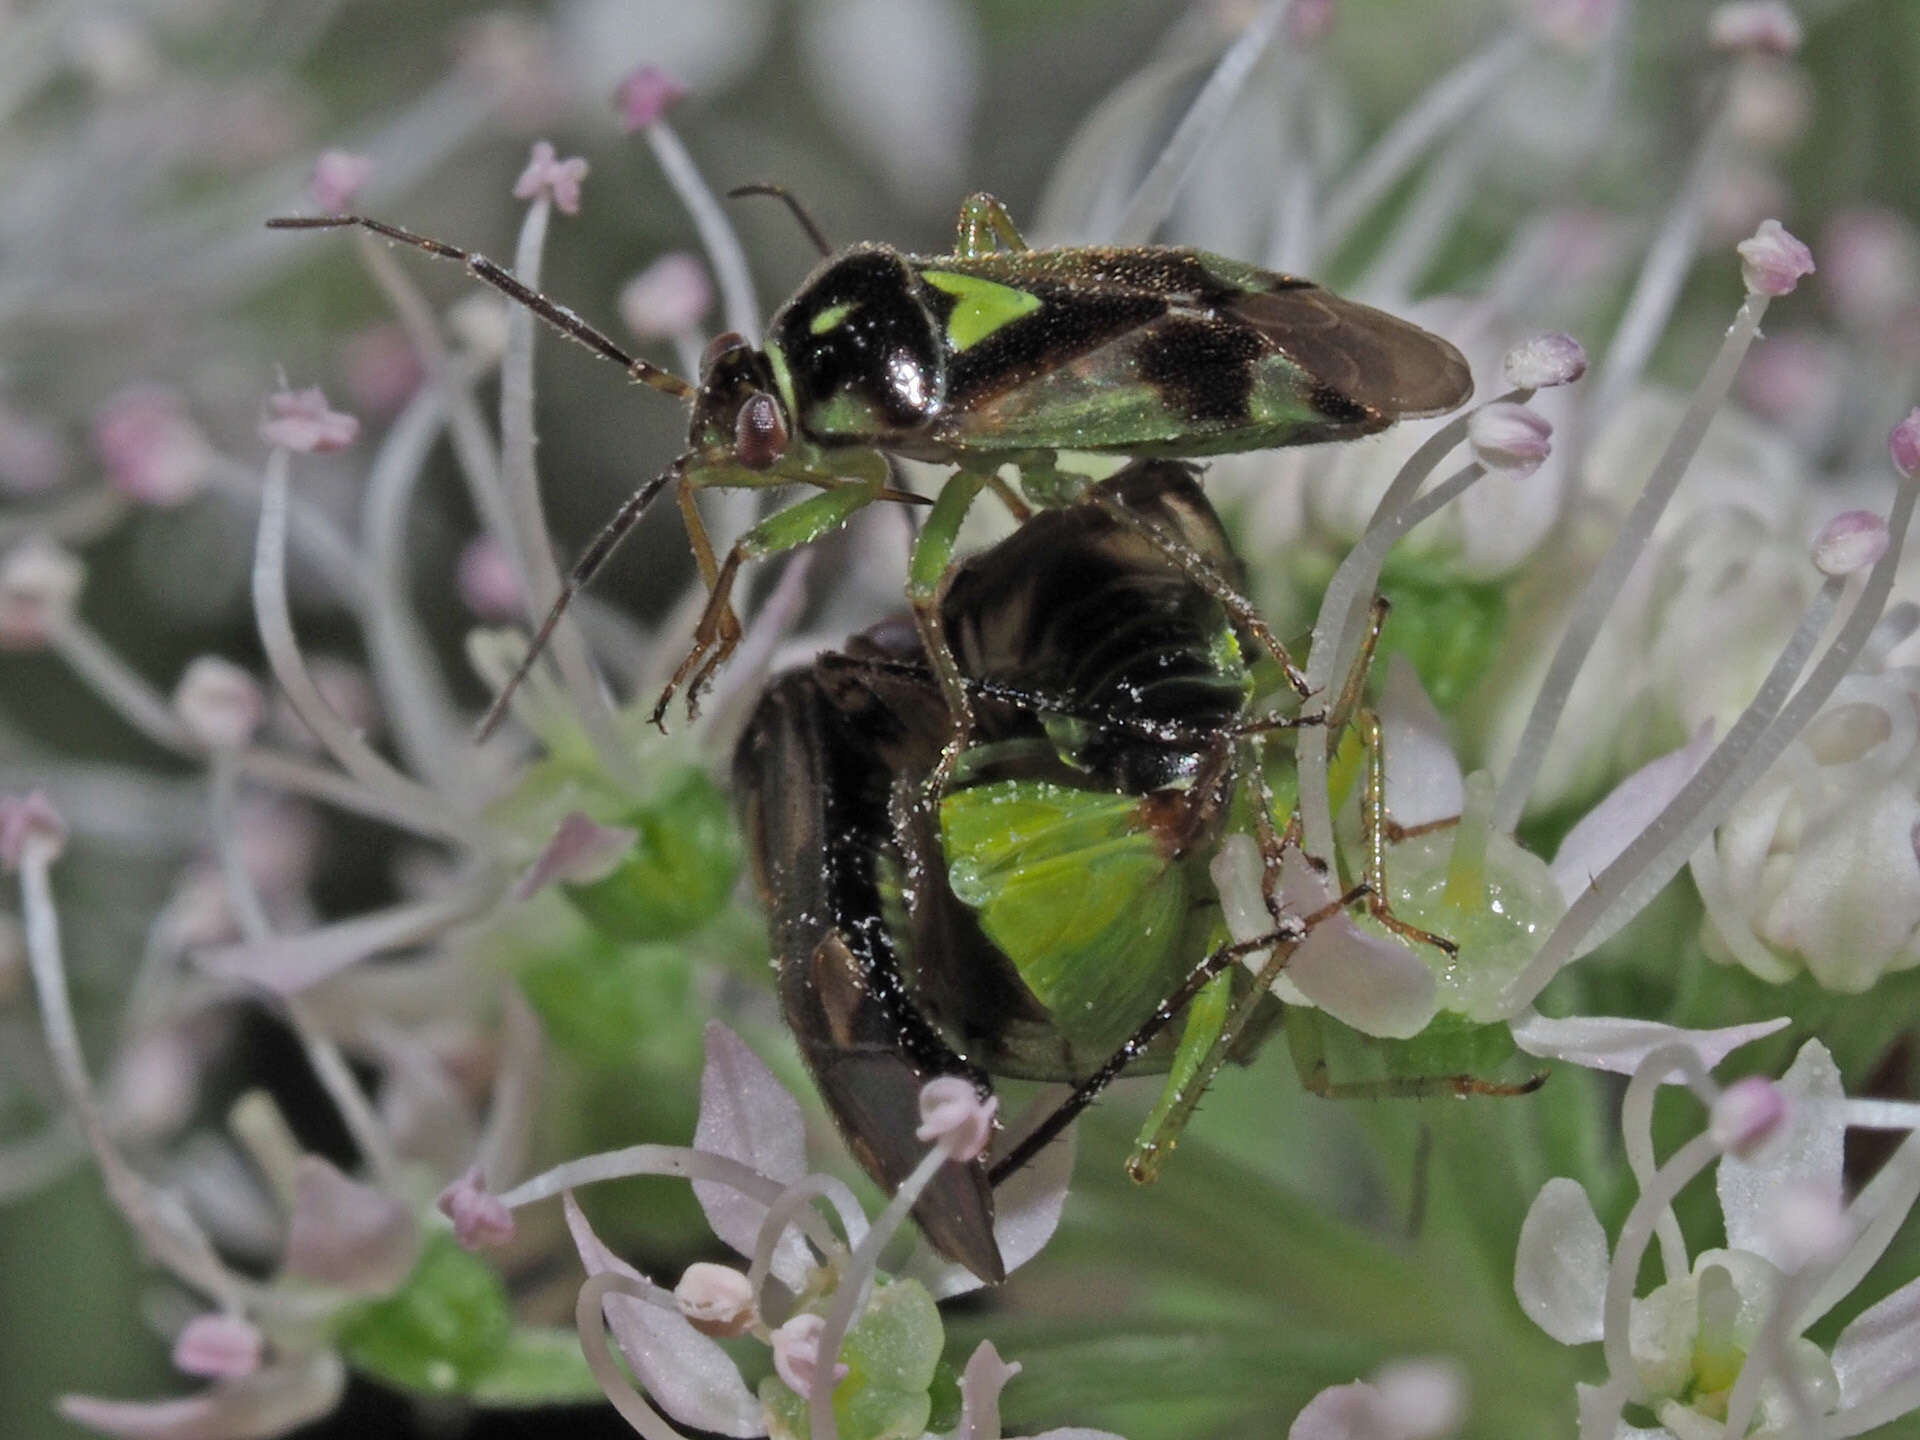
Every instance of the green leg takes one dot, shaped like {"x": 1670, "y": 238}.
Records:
{"x": 927, "y": 570}
{"x": 787, "y": 529}
{"x": 984, "y": 227}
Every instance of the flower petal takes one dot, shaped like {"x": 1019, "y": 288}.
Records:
{"x": 267, "y": 1403}
{"x": 1375, "y": 985}
{"x": 980, "y": 1386}
{"x": 1423, "y": 782}
{"x": 346, "y": 1234}
{"x": 1807, "y": 1151}
{"x": 1880, "y": 1349}
{"x": 1613, "y": 824}
{"x": 687, "y": 1375}
{"x": 747, "y": 1115}
{"x": 1560, "y": 1266}
{"x": 1026, "y": 1212}
{"x": 1616, "y": 1045}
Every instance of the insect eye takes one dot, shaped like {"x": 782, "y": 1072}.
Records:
{"x": 720, "y": 344}
{"x": 759, "y": 433}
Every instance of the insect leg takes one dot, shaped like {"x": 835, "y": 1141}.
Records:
{"x": 1374, "y": 828}
{"x": 591, "y": 559}
{"x": 1199, "y": 980}
{"x": 788, "y": 529}
{"x": 1196, "y": 568}
{"x": 487, "y": 272}
{"x": 1306, "y": 1041}
{"x": 984, "y": 226}
{"x": 928, "y": 569}
{"x": 709, "y": 568}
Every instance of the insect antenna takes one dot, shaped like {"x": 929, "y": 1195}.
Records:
{"x": 487, "y": 272}
{"x": 792, "y": 202}
{"x": 591, "y": 559}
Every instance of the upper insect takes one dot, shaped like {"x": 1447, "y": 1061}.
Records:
{"x": 995, "y": 354}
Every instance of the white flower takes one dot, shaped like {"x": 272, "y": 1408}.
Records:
{"x": 1718, "y": 1348}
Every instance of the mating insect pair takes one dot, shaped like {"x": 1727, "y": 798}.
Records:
{"x": 994, "y": 355}
{"x": 1049, "y": 916}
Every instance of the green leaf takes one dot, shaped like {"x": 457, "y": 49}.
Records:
{"x": 442, "y": 1332}
{"x": 607, "y": 1004}
{"x": 541, "y": 1365}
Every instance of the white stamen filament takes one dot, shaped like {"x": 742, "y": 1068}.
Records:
{"x": 1636, "y": 1129}
{"x": 1152, "y": 199}
{"x": 717, "y": 235}
{"x": 685, "y": 1164}
{"x": 1880, "y": 1210}
{"x": 607, "y": 1370}
{"x": 283, "y": 654}
{"x": 299, "y": 777}
{"x": 793, "y": 1201}
{"x": 1590, "y": 611}
{"x": 1445, "y": 104}
{"x": 398, "y": 654}
{"x": 856, "y": 1282}
{"x": 1336, "y": 628}
{"x": 567, "y": 646}
{"x": 1635, "y": 1234}
{"x": 122, "y": 687}
{"x": 329, "y": 1066}
{"x": 169, "y": 1233}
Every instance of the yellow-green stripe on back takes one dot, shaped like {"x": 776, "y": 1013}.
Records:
{"x": 980, "y": 306}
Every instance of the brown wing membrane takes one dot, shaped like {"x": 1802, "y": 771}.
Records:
{"x": 1364, "y": 355}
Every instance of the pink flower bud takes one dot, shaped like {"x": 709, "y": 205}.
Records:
{"x": 486, "y": 580}
{"x": 668, "y": 298}
{"x": 1872, "y": 270}
{"x": 337, "y": 178}
{"x": 1308, "y": 21}
{"x": 29, "y": 823}
{"x": 1903, "y": 444}
{"x": 153, "y": 451}
{"x": 219, "y": 702}
{"x": 39, "y": 582}
{"x": 716, "y": 1299}
{"x": 480, "y": 1219}
{"x": 956, "y": 1117}
{"x": 1805, "y": 1223}
{"x": 796, "y": 1354}
{"x": 1747, "y": 1114}
{"x": 1772, "y": 261}
{"x": 1545, "y": 361}
{"x": 33, "y": 457}
{"x": 1509, "y": 437}
{"x": 581, "y": 851}
{"x": 1849, "y": 542}
{"x": 300, "y": 420}
{"x": 646, "y": 95}
{"x": 1765, "y": 26}
{"x": 383, "y": 369}
{"x": 549, "y": 178}
{"x": 1575, "y": 25}
{"x": 218, "y": 1347}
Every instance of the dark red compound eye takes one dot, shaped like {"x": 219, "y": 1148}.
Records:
{"x": 725, "y": 341}
{"x": 759, "y": 434}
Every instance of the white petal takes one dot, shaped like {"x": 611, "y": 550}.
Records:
{"x": 1375, "y": 985}
{"x": 1880, "y": 1349}
{"x": 1075, "y": 1432}
{"x": 1806, "y": 1152}
{"x": 1423, "y": 777}
{"x": 899, "y": 77}
{"x": 688, "y": 1375}
{"x": 1560, "y": 1267}
{"x": 1605, "y": 1042}
{"x": 747, "y": 1115}
{"x": 1339, "y": 1412}
{"x": 265, "y": 1404}
{"x": 1026, "y": 1212}
{"x": 1600, "y": 1415}
{"x": 1613, "y": 824}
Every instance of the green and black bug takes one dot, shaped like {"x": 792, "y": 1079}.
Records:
{"x": 1050, "y": 915}
{"x": 993, "y": 355}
